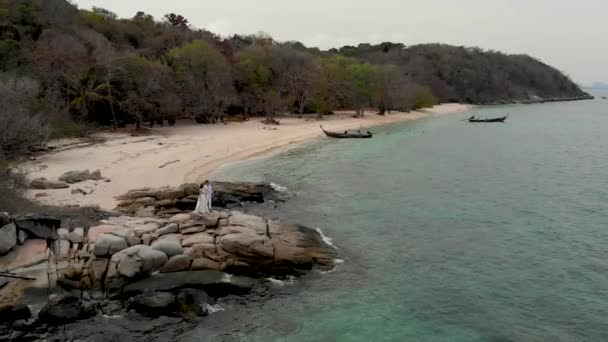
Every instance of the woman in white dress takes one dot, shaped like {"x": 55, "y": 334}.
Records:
{"x": 208, "y": 191}
{"x": 202, "y": 206}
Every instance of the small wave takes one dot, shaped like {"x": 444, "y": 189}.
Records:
{"x": 226, "y": 278}
{"x": 326, "y": 239}
{"x": 336, "y": 263}
{"x": 214, "y": 308}
{"x": 112, "y": 316}
{"x": 289, "y": 281}
{"x": 278, "y": 187}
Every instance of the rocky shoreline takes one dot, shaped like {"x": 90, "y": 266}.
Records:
{"x": 155, "y": 257}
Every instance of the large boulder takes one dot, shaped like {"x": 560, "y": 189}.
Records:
{"x": 108, "y": 245}
{"x": 299, "y": 246}
{"x": 39, "y": 226}
{"x": 169, "y": 246}
{"x": 256, "y": 223}
{"x": 177, "y": 263}
{"x": 214, "y": 283}
{"x": 192, "y": 303}
{"x": 247, "y": 244}
{"x": 45, "y": 184}
{"x": 11, "y": 313}
{"x": 72, "y": 177}
{"x": 32, "y": 252}
{"x": 94, "y": 232}
{"x": 197, "y": 239}
{"x": 168, "y": 229}
{"x": 135, "y": 261}
{"x": 64, "y": 310}
{"x": 8, "y": 238}
{"x": 153, "y": 304}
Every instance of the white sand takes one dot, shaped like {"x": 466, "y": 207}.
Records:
{"x": 133, "y": 162}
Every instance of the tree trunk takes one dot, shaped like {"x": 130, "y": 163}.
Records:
{"x": 112, "y": 107}
{"x": 382, "y": 110}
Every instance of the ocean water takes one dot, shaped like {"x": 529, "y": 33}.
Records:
{"x": 449, "y": 231}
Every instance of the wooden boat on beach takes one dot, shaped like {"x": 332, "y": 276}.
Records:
{"x": 474, "y": 119}
{"x": 347, "y": 134}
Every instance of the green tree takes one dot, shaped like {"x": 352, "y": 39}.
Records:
{"x": 205, "y": 78}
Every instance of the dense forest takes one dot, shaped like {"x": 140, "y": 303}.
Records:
{"x": 64, "y": 68}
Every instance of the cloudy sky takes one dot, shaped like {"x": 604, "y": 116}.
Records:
{"x": 571, "y": 35}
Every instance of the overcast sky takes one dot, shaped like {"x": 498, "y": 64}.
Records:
{"x": 571, "y": 35}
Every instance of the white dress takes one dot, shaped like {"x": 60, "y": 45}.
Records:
{"x": 202, "y": 207}
{"x": 208, "y": 191}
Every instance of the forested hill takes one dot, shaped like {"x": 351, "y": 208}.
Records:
{"x": 62, "y": 68}
{"x": 472, "y": 75}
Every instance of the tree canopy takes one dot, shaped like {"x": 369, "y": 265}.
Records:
{"x": 90, "y": 66}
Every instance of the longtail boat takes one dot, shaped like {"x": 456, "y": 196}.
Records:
{"x": 347, "y": 135}
{"x": 474, "y": 119}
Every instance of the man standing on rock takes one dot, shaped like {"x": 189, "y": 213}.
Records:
{"x": 208, "y": 192}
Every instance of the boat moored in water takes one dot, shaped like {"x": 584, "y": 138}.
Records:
{"x": 475, "y": 119}
{"x": 348, "y": 135}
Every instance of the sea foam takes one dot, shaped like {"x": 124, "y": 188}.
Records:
{"x": 326, "y": 239}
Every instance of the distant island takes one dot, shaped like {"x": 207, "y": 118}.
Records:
{"x": 598, "y": 85}
{"x": 64, "y": 69}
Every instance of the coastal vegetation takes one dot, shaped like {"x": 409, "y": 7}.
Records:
{"x": 64, "y": 68}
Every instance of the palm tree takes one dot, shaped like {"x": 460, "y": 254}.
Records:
{"x": 84, "y": 92}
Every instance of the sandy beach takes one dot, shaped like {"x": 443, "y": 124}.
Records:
{"x": 186, "y": 152}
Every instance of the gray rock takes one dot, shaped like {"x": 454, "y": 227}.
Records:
{"x": 192, "y": 303}
{"x": 206, "y": 264}
{"x": 254, "y": 222}
{"x": 128, "y": 235}
{"x": 5, "y": 219}
{"x": 39, "y": 226}
{"x": 210, "y": 219}
{"x": 177, "y": 263}
{"x": 146, "y": 212}
{"x": 152, "y": 259}
{"x": 8, "y": 238}
{"x": 170, "y": 247}
{"x": 45, "y": 184}
{"x": 64, "y": 310}
{"x": 135, "y": 261}
{"x": 168, "y": 229}
{"x": 199, "y": 238}
{"x": 21, "y": 237}
{"x": 180, "y": 218}
{"x": 72, "y": 177}
{"x": 153, "y": 304}
{"x": 298, "y": 246}
{"x": 192, "y": 230}
{"x": 108, "y": 245}
{"x": 208, "y": 280}
{"x": 249, "y": 245}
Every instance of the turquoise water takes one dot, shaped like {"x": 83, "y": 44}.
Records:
{"x": 449, "y": 231}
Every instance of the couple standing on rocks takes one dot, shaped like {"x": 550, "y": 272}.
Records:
{"x": 203, "y": 205}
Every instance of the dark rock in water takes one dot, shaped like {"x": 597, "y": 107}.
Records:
{"x": 215, "y": 283}
{"x": 192, "y": 303}
{"x": 8, "y": 238}
{"x": 153, "y": 303}
{"x": 65, "y": 310}
{"x": 10, "y": 313}
{"x": 39, "y": 226}
{"x": 111, "y": 308}
{"x": 228, "y": 195}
